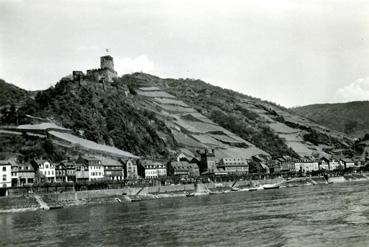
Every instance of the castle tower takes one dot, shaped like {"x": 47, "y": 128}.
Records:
{"x": 106, "y": 62}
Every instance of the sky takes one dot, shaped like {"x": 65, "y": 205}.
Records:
{"x": 290, "y": 52}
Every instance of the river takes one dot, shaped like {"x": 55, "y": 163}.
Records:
{"x": 330, "y": 215}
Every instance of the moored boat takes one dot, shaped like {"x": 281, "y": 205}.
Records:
{"x": 270, "y": 186}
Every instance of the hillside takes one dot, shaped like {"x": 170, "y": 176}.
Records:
{"x": 265, "y": 125}
{"x": 158, "y": 118}
{"x": 11, "y": 94}
{"x": 351, "y": 118}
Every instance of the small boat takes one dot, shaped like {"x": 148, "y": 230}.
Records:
{"x": 235, "y": 189}
{"x": 270, "y": 186}
{"x": 198, "y": 194}
{"x": 253, "y": 189}
{"x": 190, "y": 195}
{"x": 55, "y": 207}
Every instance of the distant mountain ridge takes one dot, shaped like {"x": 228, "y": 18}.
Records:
{"x": 351, "y": 118}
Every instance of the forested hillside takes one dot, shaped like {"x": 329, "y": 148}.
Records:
{"x": 351, "y": 118}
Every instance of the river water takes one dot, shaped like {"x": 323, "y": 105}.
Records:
{"x": 330, "y": 215}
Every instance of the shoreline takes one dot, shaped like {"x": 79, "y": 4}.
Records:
{"x": 80, "y": 198}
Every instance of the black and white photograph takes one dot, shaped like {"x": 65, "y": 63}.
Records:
{"x": 184, "y": 123}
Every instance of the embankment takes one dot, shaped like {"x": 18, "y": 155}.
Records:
{"x": 128, "y": 194}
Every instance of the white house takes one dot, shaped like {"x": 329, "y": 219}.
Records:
{"x": 306, "y": 165}
{"x": 151, "y": 169}
{"x": 347, "y": 163}
{"x": 95, "y": 172}
{"x": 334, "y": 164}
{"x": 130, "y": 169}
{"x": 5, "y": 174}
{"x": 95, "y": 167}
{"x": 46, "y": 169}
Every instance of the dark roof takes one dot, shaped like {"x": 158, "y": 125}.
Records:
{"x": 178, "y": 165}
{"x": 5, "y": 162}
{"x": 40, "y": 161}
{"x": 151, "y": 164}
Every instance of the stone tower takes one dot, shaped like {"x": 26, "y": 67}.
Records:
{"x": 106, "y": 62}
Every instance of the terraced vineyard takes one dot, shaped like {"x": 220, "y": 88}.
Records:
{"x": 192, "y": 130}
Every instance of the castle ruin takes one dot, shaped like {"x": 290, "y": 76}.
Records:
{"x": 105, "y": 73}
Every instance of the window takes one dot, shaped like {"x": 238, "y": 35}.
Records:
{"x": 4, "y": 177}
{"x": 4, "y": 168}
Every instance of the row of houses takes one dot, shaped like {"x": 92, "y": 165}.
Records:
{"x": 91, "y": 168}
{"x": 312, "y": 165}
{"x": 209, "y": 164}
{"x": 86, "y": 168}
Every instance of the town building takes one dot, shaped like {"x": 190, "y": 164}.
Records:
{"x": 25, "y": 174}
{"x": 70, "y": 170}
{"x": 81, "y": 172}
{"x": 14, "y": 172}
{"x": 113, "y": 169}
{"x": 274, "y": 166}
{"x": 5, "y": 174}
{"x": 95, "y": 167}
{"x": 45, "y": 169}
{"x": 207, "y": 163}
{"x": 65, "y": 171}
{"x": 259, "y": 164}
{"x": 234, "y": 165}
{"x": 60, "y": 172}
{"x": 183, "y": 169}
{"x": 347, "y": 163}
{"x": 324, "y": 164}
{"x": 130, "y": 169}
{"x": 306, "y": 165}
{"x": 335, "y": 164}
{"x": 149, "y": 169}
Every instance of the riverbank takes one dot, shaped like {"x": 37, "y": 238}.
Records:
{"x": 130, "y": 195}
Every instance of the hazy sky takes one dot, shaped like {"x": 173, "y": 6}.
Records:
{"x": 287, "y": 51}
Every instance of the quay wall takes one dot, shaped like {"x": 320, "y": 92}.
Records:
{"x": 91, "y": 194}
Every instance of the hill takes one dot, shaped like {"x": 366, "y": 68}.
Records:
{"x": 11, "y": 94}
{"x": 159, "y": 118}
{"x": 269, "y": 127}
{"x": 351, "y": 118}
